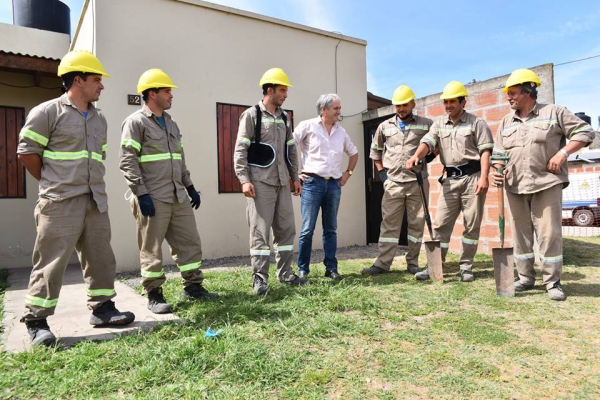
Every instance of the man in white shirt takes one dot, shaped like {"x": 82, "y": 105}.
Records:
{"x": 322, "y": 142}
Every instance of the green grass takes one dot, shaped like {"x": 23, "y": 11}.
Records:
{"x": 384, "y": 337}
{"x": 3, "y": 286}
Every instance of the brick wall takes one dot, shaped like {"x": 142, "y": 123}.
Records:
{"x": 583, "y": 167}
{"x": 488, "y": 102}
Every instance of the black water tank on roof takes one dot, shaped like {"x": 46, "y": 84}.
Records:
{"x": 48, "y": 15}
{"x": 584, "y": 117}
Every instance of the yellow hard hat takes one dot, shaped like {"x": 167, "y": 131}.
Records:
{"x": 81, "y": 61}
{"x": 454, "y": 90}
{"x": 520, "y": 76}
{"x": 153, "y": 79}
{"x": 275, "y": 76}
{"x": 402, "y": 95}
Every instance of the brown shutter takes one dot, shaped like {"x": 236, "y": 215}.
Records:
{"x": 12, "y": 172}
{"x": 228, "y": 116}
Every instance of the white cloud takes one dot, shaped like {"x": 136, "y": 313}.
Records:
{"x": 580, "y": 24}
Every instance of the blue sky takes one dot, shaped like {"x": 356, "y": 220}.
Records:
{"x": 427, "y": 44}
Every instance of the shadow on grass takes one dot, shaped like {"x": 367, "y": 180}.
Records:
{"x": 581, "y": 252}
{"x": 582, "y": 289}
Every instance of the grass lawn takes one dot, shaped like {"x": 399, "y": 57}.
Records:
{"x": 384, "y": 337}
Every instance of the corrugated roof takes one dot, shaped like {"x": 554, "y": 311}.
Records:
{"x": 29, "y": 55}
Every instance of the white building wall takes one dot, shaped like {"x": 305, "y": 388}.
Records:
{"x": 216, "y": 56}
{"x": 17, "y": 227}
{"x": 34, "y": 42}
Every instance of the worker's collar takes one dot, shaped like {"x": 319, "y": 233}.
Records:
{"x": 535, "y": 111}
{"x": 278, "y": 110}
{"x": 148, "y": 112}
{"x": 463, "y": 118}
{"x": 66, "y": 100}
{"x": 397, "y": 119}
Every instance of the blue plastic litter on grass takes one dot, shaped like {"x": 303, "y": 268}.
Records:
{"x": 210, "y": 333}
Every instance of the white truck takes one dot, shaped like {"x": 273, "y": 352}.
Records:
{"x": 581, "y": 199}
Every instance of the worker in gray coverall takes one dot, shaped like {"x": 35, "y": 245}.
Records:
{"x": 533, "y": 137}
{"x": 264, "y": 169}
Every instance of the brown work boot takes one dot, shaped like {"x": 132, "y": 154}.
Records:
{"x": 374, "y": 270}
{"x": 107, "y": 314}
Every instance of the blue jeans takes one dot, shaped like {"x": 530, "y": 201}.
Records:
{"x": 318, "y": 194}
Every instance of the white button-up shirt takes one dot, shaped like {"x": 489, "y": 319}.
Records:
{"x": 322, "y": 152}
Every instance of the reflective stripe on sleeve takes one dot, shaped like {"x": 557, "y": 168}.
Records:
{"x": 290, "y": 142}
{"x": 584, "y": 129}
{"x": 36, "y": 137}
{"x": 375, "y": 147}
{"x": 131, "y": 143}
{"x": 244, "y": 140}
{"x": 190, "y": 266}
{"x": 429, "y": 141}
{"x": 485, "y": 146}
{"x": 176, "y": 156}
{"x": 105, "y": 147}
{"x": 39, "y": 302}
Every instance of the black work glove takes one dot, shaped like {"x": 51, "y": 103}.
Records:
{"x": 146, "y": 205}
{"x": 195, "y": 202}
{"x": 383, "y": 175}
{"x": 430, "y": 157}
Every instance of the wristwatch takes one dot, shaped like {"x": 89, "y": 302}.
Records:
{"x": 349, "y": 171}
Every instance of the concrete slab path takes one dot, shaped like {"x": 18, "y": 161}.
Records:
{"x": 71, "y": 321}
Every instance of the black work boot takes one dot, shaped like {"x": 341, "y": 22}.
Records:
{"x": 374, "y": 270}
{"x": 196, "y": 291}
{"x": 39, "y": 331}
{"x": 107, "y": 314}
{"x": 296, "y": 281}
{"x": 157, "y": 303}
{"x": 260, "y": 287}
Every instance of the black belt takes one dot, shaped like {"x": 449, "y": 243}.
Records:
{"x": 460, "y": 171}
{"x": 316, "y": 176}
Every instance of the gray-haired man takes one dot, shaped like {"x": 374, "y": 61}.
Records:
{"x": 322, "y": 142}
